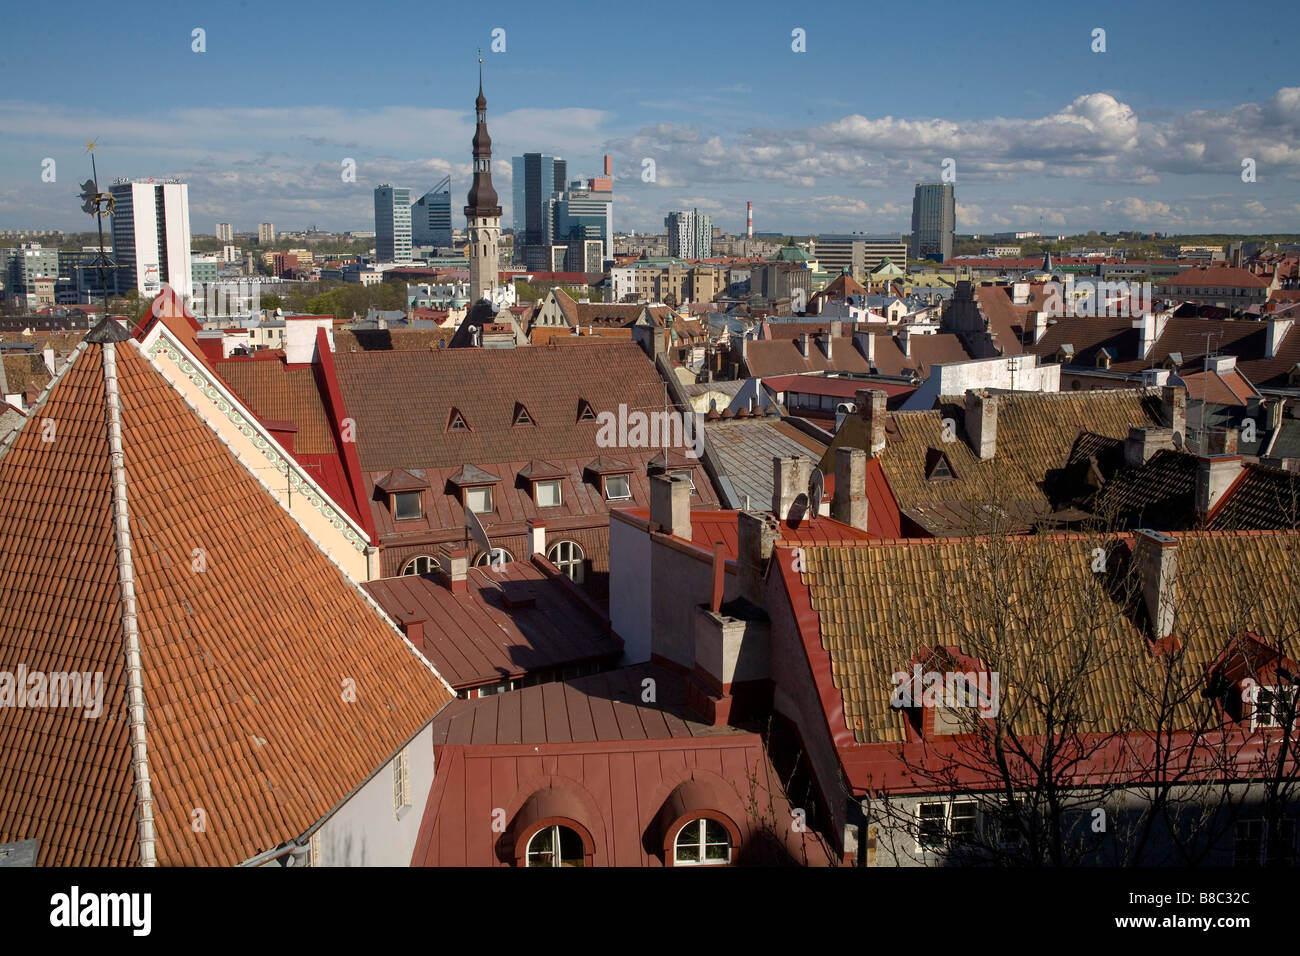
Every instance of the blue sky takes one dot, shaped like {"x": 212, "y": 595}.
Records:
{"x": 1149, "y": 134}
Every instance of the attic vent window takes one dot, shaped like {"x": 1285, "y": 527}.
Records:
{"x": 521, "y": 415}
{"x": 585, "y": 414}
{"x": 456, "y": 422}
{"x": 937, "y": 466}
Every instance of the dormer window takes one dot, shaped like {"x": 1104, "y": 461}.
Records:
{"x": 456, "y": 421}
{"x": 406, "y": 505}
{"x": 617, "y": 487}
{"x": 1274, "y": 707}
{"x": 685, "y": 474}
{"x": 585, "y": 414}
{"x": 478, "y": 499}
{"x": 937, "y": 466}
{"x": 546, "y": 494}
{"x": 1104, "y": 358}
{"x": 521, "y": 415}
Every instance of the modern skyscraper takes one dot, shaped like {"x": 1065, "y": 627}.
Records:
{"x": 265, "y": 233}
{"x": 392, "y": 223}
{"x": 934, "y": 219}
{"x": 690, "y": 234}
{"x": 537, "y": 178}
{"x": 151, "y": 236}
{"x": 482, "y": 213}
{"x": 225, "y": 232}
{"x": 431, "y": 216}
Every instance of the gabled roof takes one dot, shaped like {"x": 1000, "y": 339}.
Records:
{"x": 1216, "y": 277}
{"x": 239, "y": 681}
{"x": 472, "y": 475}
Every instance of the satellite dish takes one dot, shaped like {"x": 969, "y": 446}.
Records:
{"x": 816, "y": 492}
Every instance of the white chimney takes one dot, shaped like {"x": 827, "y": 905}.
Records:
{"x": 1275, "y": 332}
{"x": 300, "y": 337}
{"x": 1157, "y": 564}
{"x": 47, "y": 355}
{"x": 1215, "y": 474}
{"x": 982, "y": 423}
{"x": 803, "y": 344}
{"x": 1020, "y": 293}
{"x": 670, "y": 506}
{"x": 1040, "y": 326}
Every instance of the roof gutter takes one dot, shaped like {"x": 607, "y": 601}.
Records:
{"x": 130, "y": 622}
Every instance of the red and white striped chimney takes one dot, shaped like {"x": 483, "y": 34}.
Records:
{"x": 749, "y": 220}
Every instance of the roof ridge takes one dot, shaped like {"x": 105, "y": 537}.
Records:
{"x": 130, "y": 621}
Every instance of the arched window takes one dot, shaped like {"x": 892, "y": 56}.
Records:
{"x": 702, "y": 842}
{"x": 567, "y": 556}
{"x": 495, "y": 556}
{"x": 555, "y": 846}
{"x": 420, "y": 564}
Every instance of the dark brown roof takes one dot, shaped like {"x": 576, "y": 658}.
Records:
{"x": 274, "y": 392}
{"x": 1216, "y": 277}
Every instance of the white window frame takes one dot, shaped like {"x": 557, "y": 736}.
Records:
{"x": 486, "y": 558}
{"x": 701, "y": 844}
{"x": 1278, "y": 694}
{"x": 477, "y": 490}
{"x": 420, "y": 564}
{"x": 575, "y": 559}
{"x": 686, "y": 473}
{"x": 948, "y": 805}
{"x": 557, "y": 857}
{"x": 626, "y": 479}
{"x": 402, "y": 783}
{"x": 549, "y": 482}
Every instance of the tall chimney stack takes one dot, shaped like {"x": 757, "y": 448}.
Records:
{"x": 1157, "y": 565}
{"x": 982, "y": 423}
{"x": 871, "y": 406}
{"x": 849, "y": 503}
{"x": 789, "y": 481}
{"x": 609, "y": 167}
{"x": 749, "y": 220}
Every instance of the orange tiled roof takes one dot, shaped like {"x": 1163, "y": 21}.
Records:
{"x": 241, "y": 662}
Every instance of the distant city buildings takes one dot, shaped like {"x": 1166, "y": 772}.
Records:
{"x": 934, "y": 219}
{"x": 431, "y": 217}
{"x": 857, "y": 253}
{"x": 690, "y": 234}
{"x": 151, "y": 236}
{"x": 556, "y": 223}
{"x": 265, "y": 233}
{"x": 538, "y": 179}
{"x": 225, "y": 232}
{"x": 392, "y": 223}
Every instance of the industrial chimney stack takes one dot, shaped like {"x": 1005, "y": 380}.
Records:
{"x": 749, "y": 220}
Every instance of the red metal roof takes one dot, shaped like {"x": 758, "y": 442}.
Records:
{"x": 507, "y": 623}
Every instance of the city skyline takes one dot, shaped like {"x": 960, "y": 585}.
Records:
{"x": 1131, "y": 138}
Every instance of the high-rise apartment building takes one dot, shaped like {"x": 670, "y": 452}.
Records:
{"x": 151, "y": 236}
{"x": 431, "y": 216}
{"x": 225, "y": 232}
{"x": 934, "y": 219}
{"x": 537, "y": 178}
{"x": 265, "y": 233}
{"x": 690, "y": 234}
{"x": 392, "y": 223}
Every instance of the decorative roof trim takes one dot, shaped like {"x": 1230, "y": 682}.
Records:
{"x": 227, "y": 404}
{"x": 130, "y": 622}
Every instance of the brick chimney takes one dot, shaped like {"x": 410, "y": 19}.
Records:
{"x": 454, "y": 561}
{"x": 670, "y": 506}
{"x": 982, "y": 423}
{"x": 789, "y": 481}
{"x": 1214, "y": 476}
{"x": 1156, "y": 557}
{"x": 1173, "y": 406}
{"x": 757, "y": 533}
{"x": 849, "y": 503}
{"x": 1221, "y": 441}
{"x": 1142, "y": 443}
{"x": 871, "y": 407}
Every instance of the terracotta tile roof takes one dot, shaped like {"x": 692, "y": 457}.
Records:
{"x": 927, "y": 350}
{"x": 875, "y": 611}
{"x": 1226, "y": 388}
{"x": 1161, "y": 494}
{"x": 1010, "y": 321}
{"x": 24, "y": 370}
{"x": 1035, "y": 435}
{"x": 507, "y": 623}
{"x": 1262, "y": 498}
{"x": 244, "y": 716}
{"x": 1216, "y": 277}
{"x": 384, "y": 340}
{"x": 276, "y": 392}
{"x": 485, "y": 385}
